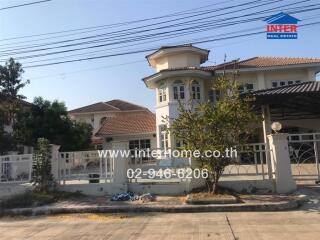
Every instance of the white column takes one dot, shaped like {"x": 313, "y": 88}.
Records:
{"x": 120, "y": 164}
{"x": 261, "y": 81}
{"x": 281, "y": 163}
{"x": 266, "y": 124}
{"x": 311, "y": 75}
{"x": 55, "y": 164}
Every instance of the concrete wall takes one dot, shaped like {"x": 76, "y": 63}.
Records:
{"x": 95, "y": 189}
{"x": 248, "y": 185}
{"x": 11, "y": 189}
{"x": 178, "y": 60}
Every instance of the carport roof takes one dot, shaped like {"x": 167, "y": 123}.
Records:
{"x": 297, "y": 101}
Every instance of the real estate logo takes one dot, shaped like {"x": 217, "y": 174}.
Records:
{"x": 282, "y": 26}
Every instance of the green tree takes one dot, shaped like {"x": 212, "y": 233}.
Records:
{"x": 11, "y": 83}
{"x": 218, "y": 127}
{"x": 41, "y": 174}
{"x": 50, "y": 120}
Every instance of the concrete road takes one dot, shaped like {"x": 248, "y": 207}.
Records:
{"x": 303, "y": 223}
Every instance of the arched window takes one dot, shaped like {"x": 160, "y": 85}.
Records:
{"x": 195, "y": 90}
{"x": 178, "y": 90}
{"x": 102, "y": 120}
{"x": 162, "y": 93}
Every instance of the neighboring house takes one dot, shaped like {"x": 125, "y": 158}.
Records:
{"x": 180, "y": 76}
{"x": 118, "y": 120}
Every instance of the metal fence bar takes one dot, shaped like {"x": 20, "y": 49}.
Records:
{"x": 16, "y": 168}
{"x": 304, "y": 155}
{"x": 85, "y": 165}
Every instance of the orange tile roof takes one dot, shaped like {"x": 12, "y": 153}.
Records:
{"x": 263, "y": 62}
{"x": 124, "y": 105}
{"x": 113, "y": 105}
{"x": 129, "y": 123}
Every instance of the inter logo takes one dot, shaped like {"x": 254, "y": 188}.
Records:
{"x": 282, "y": 26}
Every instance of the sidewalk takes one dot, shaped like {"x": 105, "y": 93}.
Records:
{"x": 162, "y": 204}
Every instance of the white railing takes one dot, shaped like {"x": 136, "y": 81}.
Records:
{"x": 251, "y": 161}
{"x": 15, "y": 168}
{"x": 304, "y": 155}
{"x": 85, "y": 165}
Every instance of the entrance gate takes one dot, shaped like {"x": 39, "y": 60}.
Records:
{"x": 304, "y": 150}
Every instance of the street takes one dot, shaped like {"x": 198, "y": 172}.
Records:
{"x": 303, "y": 223}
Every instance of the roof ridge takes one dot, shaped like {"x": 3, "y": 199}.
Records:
{"x": 90, "y": 105}
{"x": 129, "y": 103}
{"x": 275, "y": 57}
{"x": 110, "y": 105}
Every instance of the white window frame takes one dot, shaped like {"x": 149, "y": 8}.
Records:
{"x": 281, "y": 83}
{"x": 244, "y": 88}
{"x": 195, "y": 90}
{"x": 178, "y": 90}
{"x": 164, "y": 137}
{"x": 162, "y": 92}
{"x": 213, "y": 96}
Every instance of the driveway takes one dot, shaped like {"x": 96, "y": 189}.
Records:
{"x": 303, "y": 223}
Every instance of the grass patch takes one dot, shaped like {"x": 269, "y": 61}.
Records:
{"x": 35, "y": 199}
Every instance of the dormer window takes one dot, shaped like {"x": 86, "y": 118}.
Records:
{"x": 178, "y": 90}
{"x": 162, "y": 93}
{"x": 195, "y": 89}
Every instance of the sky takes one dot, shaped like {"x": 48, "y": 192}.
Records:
{"x": 87, "y": 82}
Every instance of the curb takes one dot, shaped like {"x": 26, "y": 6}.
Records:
{"x": 264, "y": 207}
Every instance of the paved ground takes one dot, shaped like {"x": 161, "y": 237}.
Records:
{"x": 303, "y": 223}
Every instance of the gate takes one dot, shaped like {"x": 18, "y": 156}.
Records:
{"x": 304, "y": 155}
{"x": 15, "y": 168}
{"x": 75, "y": 167}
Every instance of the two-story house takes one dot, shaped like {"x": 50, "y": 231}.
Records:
{"x": 180, "y": 76}
{"x": 118, "y": 120}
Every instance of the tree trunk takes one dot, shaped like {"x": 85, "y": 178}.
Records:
{"x": 215, "y": 184}
{"x": 209, "y": 185}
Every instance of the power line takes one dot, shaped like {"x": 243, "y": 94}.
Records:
{"x": 185, "y": 12}
{"x": 158, "y": 28}
{"x": 91, "y": 69}
{"x": 25, "y": 4}
{"x": 126, "y": 31}
{"x": 183, "y": 31}
{"x": 153, "y": 49}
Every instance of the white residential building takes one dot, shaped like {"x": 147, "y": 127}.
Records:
{"x": 180, "y": 76}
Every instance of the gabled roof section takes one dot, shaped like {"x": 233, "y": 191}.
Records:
{"x": 264, "y": 62}
{"x": 282, "y": 18}
{"x": 96, "y": 107}
{"x": 124, "y": 106}
{"x": 141, "y": 122}
{"x": 110, "y": 106}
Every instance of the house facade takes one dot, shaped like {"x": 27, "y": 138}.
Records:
{"x": 118, "y": 121}
{"x": 180, "y": 76}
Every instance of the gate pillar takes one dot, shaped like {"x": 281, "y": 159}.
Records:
{"x": 280, "y": 162}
